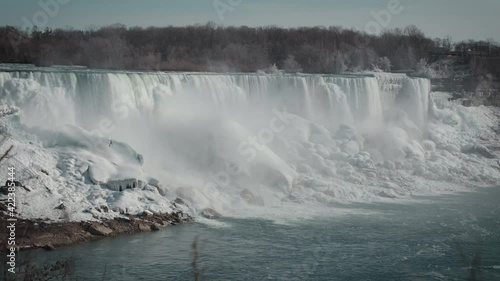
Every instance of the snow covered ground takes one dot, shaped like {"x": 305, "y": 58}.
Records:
{"x": 71, "y": 167}
{"x": 226, "y": 141}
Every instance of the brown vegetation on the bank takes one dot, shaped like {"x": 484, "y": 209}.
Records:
{"x": 44, "y": 235}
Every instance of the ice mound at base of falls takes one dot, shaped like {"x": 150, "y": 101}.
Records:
{"x": 107, "y": 160}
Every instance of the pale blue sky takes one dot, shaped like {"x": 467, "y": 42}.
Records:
{"x": 460, "y": 19}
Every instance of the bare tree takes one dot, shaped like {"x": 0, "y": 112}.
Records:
{"x": 291, "y": 66}
{"x": 384, "y": 64}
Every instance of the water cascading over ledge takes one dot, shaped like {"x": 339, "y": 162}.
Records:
{"x": 216, "y": 138}
{"x": 324, "y": 98}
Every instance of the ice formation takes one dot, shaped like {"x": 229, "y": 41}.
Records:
{"x": 234, "y": 142}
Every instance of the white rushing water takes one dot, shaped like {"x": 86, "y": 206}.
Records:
{"x": 236, "y": 142}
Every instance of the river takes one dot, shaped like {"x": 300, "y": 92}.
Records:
{"x": 379, "y": 241}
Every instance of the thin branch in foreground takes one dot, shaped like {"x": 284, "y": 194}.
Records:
{"x": 6, "y": 153}
{"x": 195, "y": 253}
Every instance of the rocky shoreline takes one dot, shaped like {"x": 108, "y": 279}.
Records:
{"x": 40, "y": 234}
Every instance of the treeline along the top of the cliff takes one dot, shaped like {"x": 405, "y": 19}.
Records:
{"x": 217, "y": 48}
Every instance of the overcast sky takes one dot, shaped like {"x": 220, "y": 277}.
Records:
{"x": 460, "y": 19}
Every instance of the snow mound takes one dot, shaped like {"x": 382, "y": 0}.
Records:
{"x": 70, "y": 167}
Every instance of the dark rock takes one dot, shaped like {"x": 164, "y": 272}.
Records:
{"x": 49, "y": 247}
{"x": 45, "y": 172}
{"x": 210, "y": 213}
{"x": 179, "y": 201}
{"x": 143, "y": 227}
{"x": 156, "y": 226}
{"x": 122, "y": 219}
{"x": 145, "y": 214}
{"x": 4, "y": 190}
{"x": 467, "y": 102}
{"x": 100, "y": 230}
{"x": 61, "y": 207}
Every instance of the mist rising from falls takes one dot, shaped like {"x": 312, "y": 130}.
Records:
{"x": 217, "y": 139}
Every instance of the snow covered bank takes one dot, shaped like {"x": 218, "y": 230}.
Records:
{"x": 238, "y": 143}
{"x": 70, "y": 167}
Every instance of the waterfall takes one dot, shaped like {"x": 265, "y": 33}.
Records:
{"x": 238, "y": 143}
{"x": 212, "y": 136}
{"x": 95, "y": 94}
